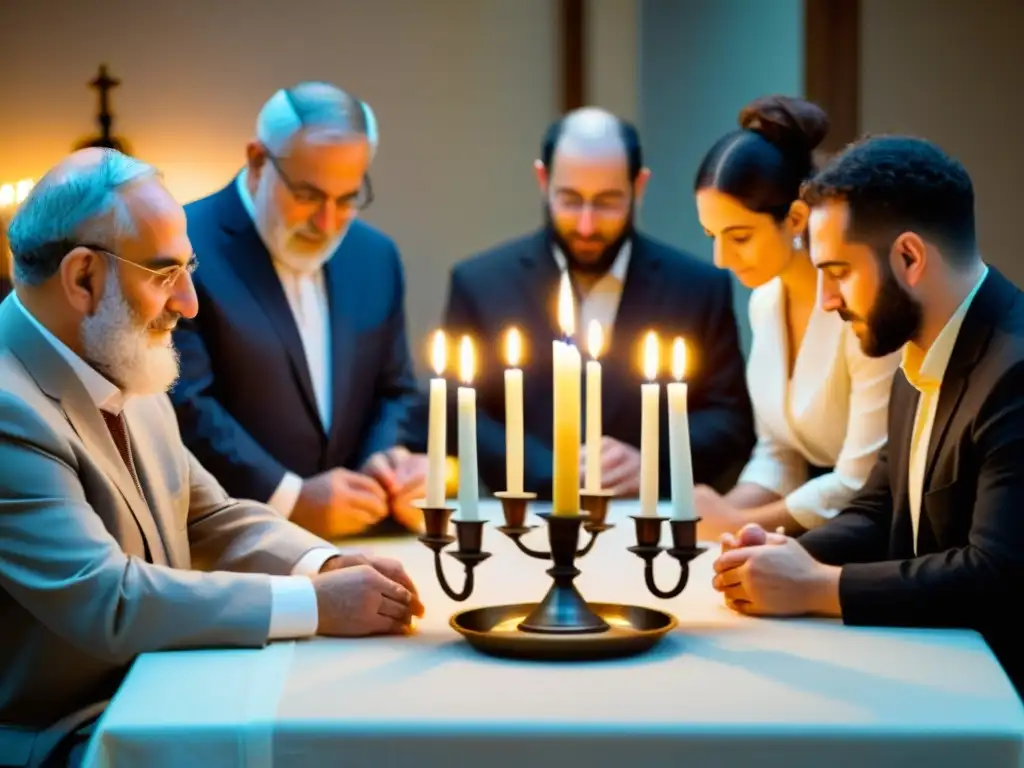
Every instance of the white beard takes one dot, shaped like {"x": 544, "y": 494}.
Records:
{"x": 118, "y": 345}
{"x": 278, "y": 237}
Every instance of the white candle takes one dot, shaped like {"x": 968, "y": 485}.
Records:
{"x": 469, "y": 492}
{"x": 649, "y": 394}
{"x": 595, "y": 340}
{"x": 437, "y": 434}
{"x": 513, "y": 414}
{"x": 567, "y": 367}
{"x": 683, "y": 506}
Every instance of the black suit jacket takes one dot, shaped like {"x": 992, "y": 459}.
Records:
{"x": 969, "y": 567}
{"x": 666, "y": 290}
{"x": 245, "y": 399}
{"x": 5, "y": 287}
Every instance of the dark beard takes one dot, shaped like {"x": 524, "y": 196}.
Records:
{"x": 601, "y": 265}
{"x": 894, "y": 319}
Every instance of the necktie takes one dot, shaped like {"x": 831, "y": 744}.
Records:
{"x": 119, "y": 431}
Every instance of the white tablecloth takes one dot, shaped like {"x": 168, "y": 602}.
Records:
{"x": 721, "y": 690}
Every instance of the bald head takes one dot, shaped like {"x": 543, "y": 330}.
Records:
{"x": 596, "y": 134}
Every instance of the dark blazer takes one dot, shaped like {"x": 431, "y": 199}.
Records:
{"x": 5, "y": 287}
{"x": 516, "y": 283}
{"x": 245, "y": 398}
{"x": 969, "y": 567}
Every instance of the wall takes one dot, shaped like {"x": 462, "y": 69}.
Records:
{"x": 953, "y": 72}
{"x": 700, "y": 62}
{"x": 462, "y": 90}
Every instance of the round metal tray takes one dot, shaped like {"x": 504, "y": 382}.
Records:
{"x": 493, "y": 630}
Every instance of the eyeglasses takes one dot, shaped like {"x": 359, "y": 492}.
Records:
{"x": 307, "y": 194}
{"x": 167, "y": 277}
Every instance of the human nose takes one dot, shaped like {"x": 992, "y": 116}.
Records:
{"x": 183, "y": 298}
{"x": 831, "y": 298}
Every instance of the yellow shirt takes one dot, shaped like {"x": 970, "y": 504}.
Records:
{"x": 924, "y": 371}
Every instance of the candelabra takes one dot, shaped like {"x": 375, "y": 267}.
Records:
{"x": 563, "y": 624}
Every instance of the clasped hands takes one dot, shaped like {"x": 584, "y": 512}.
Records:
{"x": 770, "y": 574}
{"x": 360, "y": 595}
{"x": 341, "y": 502}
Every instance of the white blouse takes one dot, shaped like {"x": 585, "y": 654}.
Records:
{"x": 831, "y": 413}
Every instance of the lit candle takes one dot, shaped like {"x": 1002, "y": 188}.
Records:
{"x": 595, "y": 340}
{"x": 567, "y": 367}
{"x": 469, "y": 493}
{"x": 6, "y": 195}
{"x": 649, "y": 393}
{"x": 437, "y": 434}
{"x": 513, "y": 413}
{"x": 21, "y": 190}
{"x": 683, "y": 507}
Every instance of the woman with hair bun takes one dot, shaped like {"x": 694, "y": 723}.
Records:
{"x": 820, "y": 404}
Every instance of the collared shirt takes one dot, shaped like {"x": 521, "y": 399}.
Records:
{"x": 601, "y": 302}
{"x": 925, "y": 371}
{"x": 307, "y": 298}
{"x": 293, "y": 608}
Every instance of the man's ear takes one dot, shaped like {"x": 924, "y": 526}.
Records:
{"x": 908, "y": 257}
{"x": 640, "y": 184}
{"x": 543, "y": 179}
{"x": 255, "y": 158}
{"x": 81, "y": 277}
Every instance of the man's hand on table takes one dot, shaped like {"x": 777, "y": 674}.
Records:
{"x": 620, "y": 466}
{"x": 403, "y": 476}
{"x": 364, "y": 595}
{"x": 770, "y": 574}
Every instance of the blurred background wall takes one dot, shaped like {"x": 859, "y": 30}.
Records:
{"x": 463, "y": 90}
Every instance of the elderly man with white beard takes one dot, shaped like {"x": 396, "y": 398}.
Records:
{"x": 114, "y": 541}
{"x": 296, "y": 375}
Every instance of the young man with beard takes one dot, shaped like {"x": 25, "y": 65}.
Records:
{"x": 105, "y": 517}
{"x": 592, "y": 177}
{"x": 936, "y": 536}
{"x": 296, "y": 375}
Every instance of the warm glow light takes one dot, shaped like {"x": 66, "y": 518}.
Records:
{"x": 678, "y": 359}
{"x": 439, "y": 352}
{"x": 566, "y": 310}
{"x": 513, "y": 347}
{"x": 6, "y": 195}
{"x": 22, "y": 189}
{"x": 595, "y": 339}
{"x": 652, "y": 356}
{"x": 467, "y": 360}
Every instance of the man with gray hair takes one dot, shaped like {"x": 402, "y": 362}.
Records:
{"x": 296, "y": 376}
{"x": 114, "y": 541}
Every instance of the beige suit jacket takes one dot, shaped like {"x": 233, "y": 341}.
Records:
{"x": 78, "y": 600}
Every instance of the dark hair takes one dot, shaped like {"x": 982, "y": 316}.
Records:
{"x": 630, "y": 138}
{"x": 764, "y": 163}
{"x": 894, "y": 184}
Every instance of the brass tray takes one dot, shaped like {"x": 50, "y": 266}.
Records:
{"x": 633, "y": 630}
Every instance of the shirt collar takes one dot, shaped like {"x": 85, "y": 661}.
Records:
{"x": 242, "y": 185}
{"x": 925, "y": 370}
{"x": 103, "y": 393}
{"x": 618, "y": 269}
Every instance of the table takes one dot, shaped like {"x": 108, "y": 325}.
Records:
{"x": 722, "y": 690}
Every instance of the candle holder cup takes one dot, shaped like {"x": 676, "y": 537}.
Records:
{"x": 684, "y": 549}
{"x": 468, "y": 534}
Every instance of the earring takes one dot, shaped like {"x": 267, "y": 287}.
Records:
{"x": 798, "y": 242}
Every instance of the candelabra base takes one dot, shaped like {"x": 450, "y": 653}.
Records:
{"x": 497, "y": 631}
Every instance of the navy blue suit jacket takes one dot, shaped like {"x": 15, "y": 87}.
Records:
{"x": 245, "y": 398}
{"x": 516, "y": 283}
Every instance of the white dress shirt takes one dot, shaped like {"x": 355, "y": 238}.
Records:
{"x": 293, "y": 609}
{"x": 601, "y": 302}
{"x": 924, "y": 371}
{"x": 832, "y": 412}
{"x": 307, "y": 297}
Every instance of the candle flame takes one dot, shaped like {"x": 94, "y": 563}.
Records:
{"x": 566, "y": 310}
{"x": 21, "y": 190}
{"x": 652, "y": 356}
{"x": 467, "y": 360}
{"x": 6, "y": 195}
{"x": 439, "y": 352}
{"x": 595, "y": 339}
{"x": 678, "y": 359}
{"x": 513, "y": 347}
